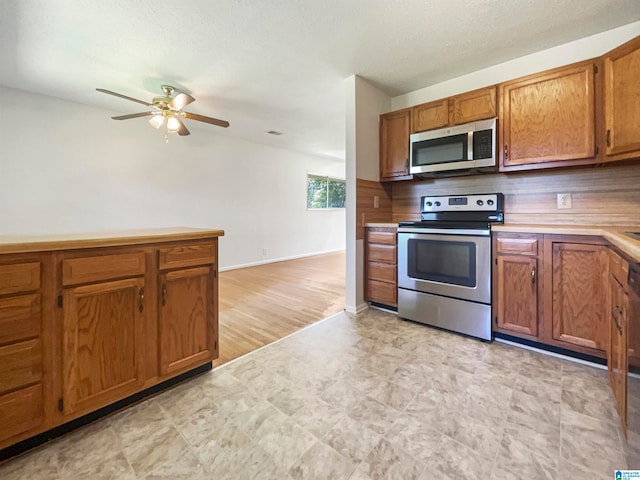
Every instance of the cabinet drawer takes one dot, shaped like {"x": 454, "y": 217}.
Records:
{"x": 102, "y": 267}
{"x": 382, "y": 253}
{"x": 19, "y": 318}
{"x": 518, "y": 245}
{"x": 387, "y": 238}
{"x": 20, "y": 411}
{"x": 383, "y": 272}
{"x": 21, "y": 277}
{"x": 386, "y": 293}
{"x": 619, "y": 268}
{"x": 20, "y": 364}
{"x": 186, "y": 255}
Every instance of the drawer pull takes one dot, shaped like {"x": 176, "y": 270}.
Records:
{"x": 164, "y": 295}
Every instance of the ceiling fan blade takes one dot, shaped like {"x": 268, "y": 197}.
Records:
{"x": 181, "y": 100}
{"x": 132, "y": 115}
{"x": 182, "y": 131}
{"x": 123, "y": 96}
{"x": 202, "y": 118}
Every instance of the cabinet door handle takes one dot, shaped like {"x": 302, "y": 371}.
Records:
{"x": 164, "y": 295}
{"x": 141, "y": 297}
{"x": 608, "y": 138}
{"x": 533, "y": 275}
{"x": 506, "y": 151}
{"x": 615, "y": 313}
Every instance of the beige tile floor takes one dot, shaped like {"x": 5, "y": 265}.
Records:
{"x": 365, "y": 397}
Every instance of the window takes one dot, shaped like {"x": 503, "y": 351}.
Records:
{"x": 325, "y": 192}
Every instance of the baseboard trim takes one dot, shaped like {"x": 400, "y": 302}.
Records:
{"x": 357, "y": 309}
{"x": 275, "y": 260}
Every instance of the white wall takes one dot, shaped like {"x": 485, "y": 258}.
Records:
{"x": 583, "y": 49}
{"x": 66, "y": 167}
{"x": 364, "y": 103}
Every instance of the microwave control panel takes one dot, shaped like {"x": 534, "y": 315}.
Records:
{"x": 482, "y": 144}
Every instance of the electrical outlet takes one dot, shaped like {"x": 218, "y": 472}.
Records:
{"x": 564, "y": 200}
{"x": 376, "y": 201}
{"x": 264, "y": 251}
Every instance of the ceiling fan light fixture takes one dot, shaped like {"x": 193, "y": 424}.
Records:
{"x": 157, "y": 121}
{"x": 173, "y": 124}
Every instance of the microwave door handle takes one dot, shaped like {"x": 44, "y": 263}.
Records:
{"x": 470, "y": 146}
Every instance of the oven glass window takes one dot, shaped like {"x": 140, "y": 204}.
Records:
{"x": 440, "y": 150}
{"x": 442, "y": 261}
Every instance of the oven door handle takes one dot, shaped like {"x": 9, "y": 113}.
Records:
{"x": 446, "y": 231}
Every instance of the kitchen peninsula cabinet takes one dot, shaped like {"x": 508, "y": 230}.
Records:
{"x": 516, "y": 274}
{"x": 82, "y": 324}
{"x": 381, "y": 266}
{"x": 23, "y": 385}
{"x": 395, "y": 128}
{"x": 187, "y": 309}
{"x": 622, "y": 101}
{"x": 549, "y": 119}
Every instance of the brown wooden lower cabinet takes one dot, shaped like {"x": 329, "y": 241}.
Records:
{"x": 186, "y": 318}
{"x": 102, "y": 343}
{"x": 381, "y": 285}
{"x": 553, "y": 289}
{"x": 85, "y": 323}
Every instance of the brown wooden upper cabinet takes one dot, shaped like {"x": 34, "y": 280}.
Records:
{"x": 395, "y": 128}
{"x": 471, "y": 106}
{"x": 464, "y": 108}
{"x": 548, "y": 119}
{"x": 622, "y": 101}
{"x": 430, "y": 115}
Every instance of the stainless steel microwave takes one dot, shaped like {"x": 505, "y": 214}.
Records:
{"x": 463, "y": 147}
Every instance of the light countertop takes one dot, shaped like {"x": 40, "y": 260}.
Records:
{"x": 384, "y": 225}
{"x": 38, "y": 243}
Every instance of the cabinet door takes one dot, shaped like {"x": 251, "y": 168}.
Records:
{"x": 102, "y": 343}
{"x": 622, "y": 100}
{"x": 430, "y": 115}
{"x": 579, "y": 285}
{"x": 187, "y": 318}
{"x": 518, "y": 294}
{"x": 394, "y": 144}
{"x": 548, "y": 117}
{"x": 476, "y": 105}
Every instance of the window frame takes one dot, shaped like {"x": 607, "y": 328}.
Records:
{"x": 327, "y": 179}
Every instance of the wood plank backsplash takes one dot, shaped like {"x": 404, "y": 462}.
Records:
{"x": 608, "y": 195}
{"x": 366, "y": 190}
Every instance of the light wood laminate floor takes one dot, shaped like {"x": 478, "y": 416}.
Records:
{"x": 261, "y": 304}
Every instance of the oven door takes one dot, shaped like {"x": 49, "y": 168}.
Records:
{"x": 454, "y": 264}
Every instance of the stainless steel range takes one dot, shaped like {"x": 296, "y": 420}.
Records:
{"x": 444, "y": 263}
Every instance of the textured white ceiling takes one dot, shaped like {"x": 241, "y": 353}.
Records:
{"x": 276, "y": 64}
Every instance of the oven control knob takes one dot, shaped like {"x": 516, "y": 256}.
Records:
{"x": 429, "y": 204}
{"x": 438, "y": 204}
{"x": 480, "y": 202}
{"x": 489, "y": 202}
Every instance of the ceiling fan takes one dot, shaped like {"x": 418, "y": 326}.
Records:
{"x": 167, "y": 109}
